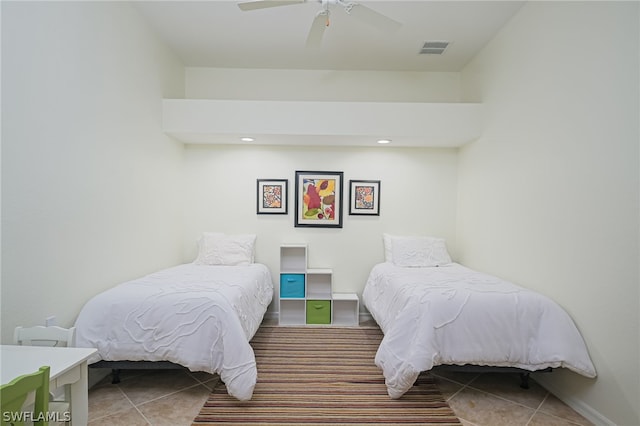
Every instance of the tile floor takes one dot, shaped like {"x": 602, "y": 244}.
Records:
{"x": 150, "y": 397}
{"x": 495, "y": 399}
{"x": 174, "y": 398}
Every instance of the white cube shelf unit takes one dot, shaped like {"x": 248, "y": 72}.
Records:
{"x": 306, "y": 295}
{"x": 345, "y": 309}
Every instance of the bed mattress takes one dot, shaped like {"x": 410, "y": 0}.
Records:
{"x": 452, "y": 315}
{"x": 198, "y": 316}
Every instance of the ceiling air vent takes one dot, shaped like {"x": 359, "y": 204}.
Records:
{"x": 434, "y": 47}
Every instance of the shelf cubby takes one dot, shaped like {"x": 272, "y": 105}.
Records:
{"x": 306, "y": 294}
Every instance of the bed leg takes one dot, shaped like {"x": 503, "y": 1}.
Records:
{"x": 524, "y": 380}
{"x": 115, "y": 376}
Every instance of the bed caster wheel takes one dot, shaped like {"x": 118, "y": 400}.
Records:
{"x": 524, "y": 380}
{"x": 115, "y": 376}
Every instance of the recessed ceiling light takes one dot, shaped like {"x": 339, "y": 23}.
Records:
{"x": 247, "y": 139}
{"x": 383, "y": 141}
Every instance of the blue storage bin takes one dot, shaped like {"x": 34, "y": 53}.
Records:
{"x": 292, "y": 286}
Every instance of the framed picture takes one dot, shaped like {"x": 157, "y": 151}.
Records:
{"x": 319, "y": 199}
{"x": 272, "y": 196}
{"x": 364, "y": 197}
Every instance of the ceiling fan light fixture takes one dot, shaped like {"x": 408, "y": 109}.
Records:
{"x": 247, "y": 139}
{"x": 321, "y": 21}
{"x": 384, "y": 141}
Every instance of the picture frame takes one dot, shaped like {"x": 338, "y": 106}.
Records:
{"x": 273, "y": 196}
{"x": 364, "y": 197}
{"x": 318, "y": 199}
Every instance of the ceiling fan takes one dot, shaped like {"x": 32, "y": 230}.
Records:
{"x": 321, "y": 21}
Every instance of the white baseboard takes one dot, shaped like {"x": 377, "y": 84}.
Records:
{"x": 96, "y": 375}
{"x": 581, "y": 407}
{"x": 271, "y": 316}
{"x": 362, "y": 316}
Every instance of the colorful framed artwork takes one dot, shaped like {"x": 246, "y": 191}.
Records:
{"x": 364, "y": 197}
{"x": 272, "y": 196}
{"x": 319, "y": 199}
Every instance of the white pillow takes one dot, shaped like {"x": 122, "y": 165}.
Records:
{"x": 419, "y": 251}
{"x": 203, "y": 242}
{"x": 219, "y": 249}
{"x": 388, "y": 247}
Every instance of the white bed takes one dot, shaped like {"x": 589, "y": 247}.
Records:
{"x": 198, "y": 315}
{"x": 447, "y": 314}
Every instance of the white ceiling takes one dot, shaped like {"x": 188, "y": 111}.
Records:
{"x": 218, "y": 34}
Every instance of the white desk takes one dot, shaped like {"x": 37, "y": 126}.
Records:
{"x": 68, "y": 367}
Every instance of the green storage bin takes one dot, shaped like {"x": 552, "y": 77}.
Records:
{"x": 318, "y": 311}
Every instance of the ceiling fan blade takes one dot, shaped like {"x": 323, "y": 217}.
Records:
{"x": 371, "y": 17}
{"x": 314, "y": 38}
{"x": 263, "y": 4}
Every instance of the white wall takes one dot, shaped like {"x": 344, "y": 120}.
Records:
{"x": 417, "y": 196}
{"x": 90, "y": 185}
{"x": 91, "y": 188}
{"x": 549, "y": 197}
{"x": 321, "y": 85}
{"x": 418, "y": 189}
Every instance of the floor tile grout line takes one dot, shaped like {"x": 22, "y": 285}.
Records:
{"x": 541, "y": 404}
{"x": 456, "y": 393}
{"x": 134, "y": 405}
{"x": 215, "y": 378}
{"x": 120, "y": 411}
{"x": 170, "y": 394}
{"x": 468, "y": 422}
{"x": 538, "y": 408}
{"x": 198, "y": 383}
{"x": 560, "y": 418}
{"x": 503, "y": 398}
{"x": 468, "y": 384}
{"x": 535, "y": 410}
{"x": 447, "y": 400}
{"x": 548, "y": 414}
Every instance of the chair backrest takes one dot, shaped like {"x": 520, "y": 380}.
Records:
{"x": 44, "y": 336}
{"x": 14, "y": 394}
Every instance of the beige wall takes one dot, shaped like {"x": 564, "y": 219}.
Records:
{"x": 418, "y": 190}
{"x": 94, "y": 193}
{"x": 321, "y": 85}
{"x": 90, "y": 185}
{"x": 549, "y": 196}
{"x": 417, "y": 196}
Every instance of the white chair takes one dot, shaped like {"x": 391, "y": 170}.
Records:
{"x": 49, "y": 336}
{"x": 44, "y": 336}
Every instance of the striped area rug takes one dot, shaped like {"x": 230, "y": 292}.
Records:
{"x": 320, "y": 376}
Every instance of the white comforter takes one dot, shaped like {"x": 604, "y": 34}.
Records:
{"x": 198, "y": 316}
{"x": 454, "y": 315}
